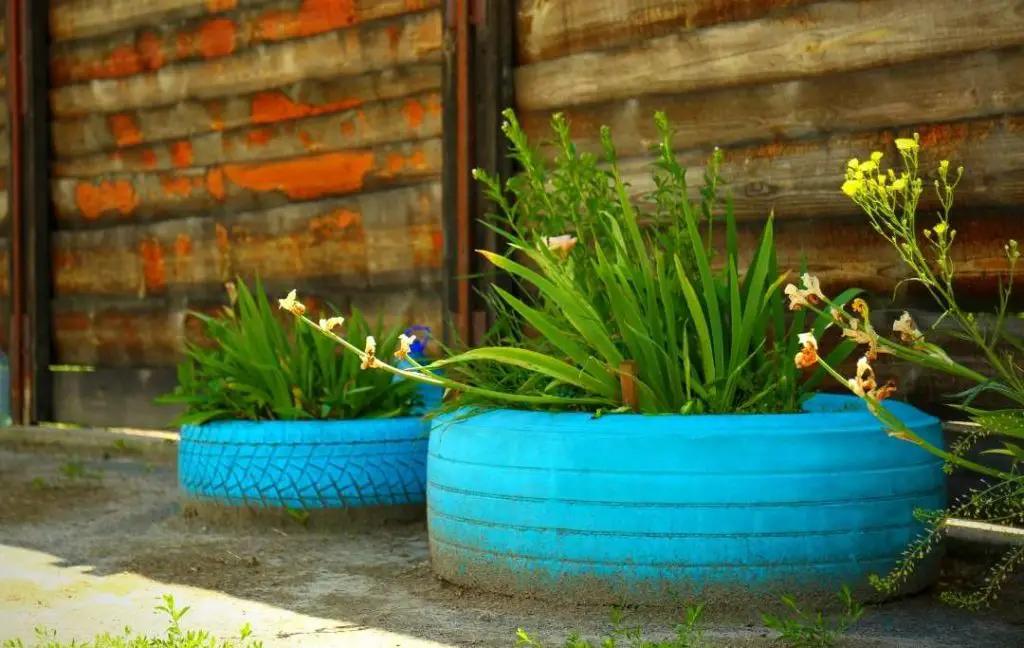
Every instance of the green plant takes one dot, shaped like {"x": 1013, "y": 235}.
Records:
{"x": 689, "y": 634}
{"x": 76, "y": 469}
{"x": 891, "y": 201}
{"x": 257, "y": 369}
{"x": 624, "y": 305}
{"x": 175, "y": 637}
{"x": 807, "y": 630}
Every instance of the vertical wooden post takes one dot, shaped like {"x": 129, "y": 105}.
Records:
{"x": 457, "y": 169}
{"x": 31, "y": 274}
{"x": 627, "y": 381}
{"x": 494, "y": 74}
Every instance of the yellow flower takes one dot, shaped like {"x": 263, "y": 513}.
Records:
{"x": 560, "y": 244}
{"x": 899, "y": 184}
{"x": 944, "y": 167}
{"x": 853, "y": 163}
{"x": 940, "y": 228}
{"x": 906, "y": 144}
{"x": 808, "y": 355}
{"x": 907, "y": 329}
{"x": 370, "y": 354}
{"x": 810, "y": 294}
{"x": 851, "y": 188}
{"x": 404, "y": 346}
{"x": 867, "y": 166}
{"x": 876, "y": 157}
{"x": 331, "y": 323}
{"x": 292, "y": 304}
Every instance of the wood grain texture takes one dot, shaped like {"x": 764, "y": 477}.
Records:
{"x": 802, "y": 179}
{"x": 548, "y": 29}
{"x": 161, "y": 43}
{"x": 818, "y": 39}
{"x": 365, "y": 242}
{"x": 982, "y": 84}
{"x": 415, "y": 117}
{"x": 366, "y": 48}
{"x": 246, "y": 185}
{"x": 76, "y": 19}
{"x": 103, "y": 133}
{"x": 153, "y": 333}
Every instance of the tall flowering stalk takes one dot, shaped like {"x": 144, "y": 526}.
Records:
{"x": 890, "y": 200}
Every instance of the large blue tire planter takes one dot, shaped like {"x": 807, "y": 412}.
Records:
{"x": 659, "y": 509}
{"x": 305, "y": 465}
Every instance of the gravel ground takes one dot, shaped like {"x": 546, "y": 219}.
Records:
{"x": 91, "y": 543}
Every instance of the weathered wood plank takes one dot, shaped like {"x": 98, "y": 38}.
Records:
{"x": 117, "y": 398}
{"x": 415, "y": 38}
{"x": 412, "y": 118}
{"x": 75, "y": 19}
{"x": 376, "y": 240}
{"x": 802, "y": 179}
{"x": 160, "y": 44}
{"x": 548, "y": 29}
{"x": 977, "y": 85}
{"x": 154, "y": 333}
{"x": 100, "y": 133}
{"x": 247, "y": 185}
{"x": 821, "y": 38}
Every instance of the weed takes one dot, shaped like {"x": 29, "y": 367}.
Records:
{"x": 689, "y": 634}
{"x": 807, "y": 630}
{"x": 299, "y": 515}
{"x": 77, "y": 470}
{"x": 175, "y": 636}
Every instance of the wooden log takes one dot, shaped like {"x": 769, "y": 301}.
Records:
{"x": 153, "y": 333}
{"x": 101, "y": 133}
{"x": 159, "y": 44}
{"x": 415, "y": 38}
{"x": 549, "y": 29}
{"x": 77, "y": 19}
{"x": 245, "y": 186}
{"x": 982, "y": 84}
{"x": 376, "y": 240}
{"x": 114, "y": 398}
{"x": 802, "y": 179}
{"x": 821, "y": 38}
{"x": 413, "y": 118}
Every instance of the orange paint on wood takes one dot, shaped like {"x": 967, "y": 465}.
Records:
{"x": 176, "y": 186}
{"x": 305, "y": 178}
{"x": 181, "y": 154}
{"x": 182, "y": 245}
{"x": 151, "y": 51}
{"x": 217, "y": 38}
{"x": 153, "y": 271}
{"x": 270, "y": 107}
{"x": 215, "y": 184}
{"x": 413, "y": 112}
{"x": 214, "y": 6}
{"x": 394, "y": 38}
{"x": 259, "y": 137}
{"x": 220, "y": 235}
{"x": 312, "y": 17}
{"x": 308, "y": 142}
{"x": 93, "y": 200}
{"x": 125, "y": 129}
{"x": 149, "y": 158}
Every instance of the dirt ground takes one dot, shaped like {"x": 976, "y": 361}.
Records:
{"x": 91, "y": 543}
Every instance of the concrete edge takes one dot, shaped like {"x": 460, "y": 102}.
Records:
{"x": 152, "y": 445}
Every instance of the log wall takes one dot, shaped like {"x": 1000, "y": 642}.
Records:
{"x": 5, "y": 226}
{"x": 196, "y": 140}
{"x": 790, "y": 90}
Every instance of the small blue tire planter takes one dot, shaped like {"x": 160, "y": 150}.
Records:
{"x": 305, "y": 465}
{"x": 659, "y": 509}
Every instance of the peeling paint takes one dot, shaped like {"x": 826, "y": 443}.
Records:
{"x": 271, "y": 107}
{"x": 181, "y": 154}
{"x": 180, "y": 186}
{"x": 305, "y": 178}
{"x": 215, "y": 6}
{"x": 217, "y": 38}
{"x": 148, "y": 157}
{"x": 312, "y": 17}
{"x": 125, "y": 129}
{"x": 259, "y": 137}
{"x": 215, "y": 184}
{"x": 93, "y": 200}
{"x": 154, "y": 272}
{"x": 413, "y": 112}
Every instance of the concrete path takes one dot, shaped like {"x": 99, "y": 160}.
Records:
{"x": 90, "y": 544}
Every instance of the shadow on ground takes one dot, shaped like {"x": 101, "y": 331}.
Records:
{"x": 92, "y": 543}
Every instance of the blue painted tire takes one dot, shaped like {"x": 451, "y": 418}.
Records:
{"x": 653, "y": 509}
{"x": 305, "y": 465}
